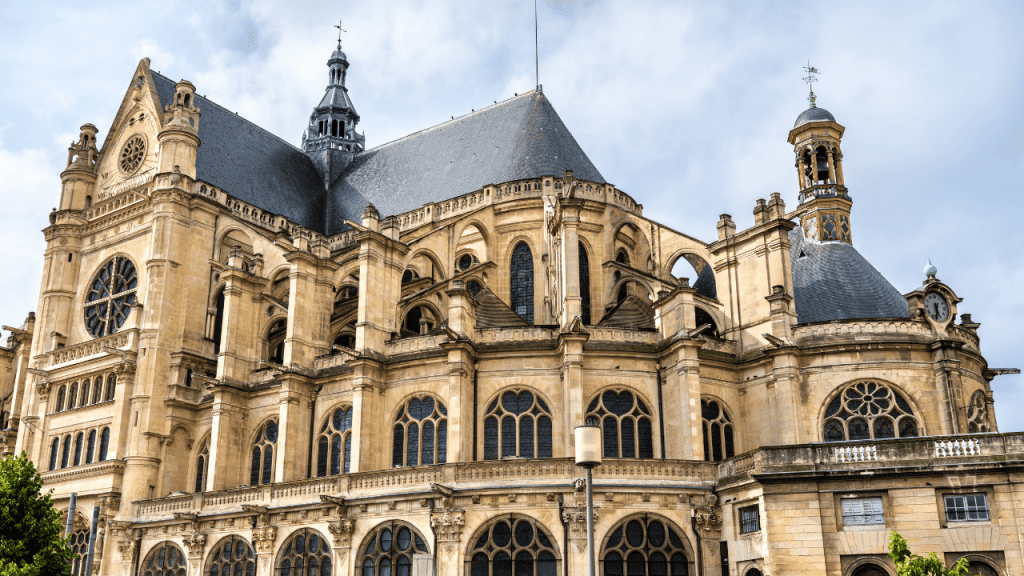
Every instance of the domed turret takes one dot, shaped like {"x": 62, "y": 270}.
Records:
{"x": 813, "y": 114}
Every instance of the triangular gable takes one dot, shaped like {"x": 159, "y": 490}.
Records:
{"x": 632, "y": 312}
{"x": 491, "y": 312}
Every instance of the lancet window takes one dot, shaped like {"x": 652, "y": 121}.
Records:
{"x": 202, "y": 466}
{"x": 389, "y": 550}
{"x": 584, "y": 285}
{"x": 626, "y": 424}
{"x": 78, "y": 448}
{"x": 110, "y": 297}
{"x": 165, "y": 560}
{"x": 232, "y": 557}
{"x": 334, "y": 447}
{"x": 718, "y": 431}
{"x": 420, "y": 433}
{"x": 869, "y": 410}
{"x": 513, "y": 545}
{"x": 517, "y": 425}
{"x": 521, "y": 282}
{"x": 261, "y": 469}
{"x": 644, "y": 547}
{"x": 306, "y": 554}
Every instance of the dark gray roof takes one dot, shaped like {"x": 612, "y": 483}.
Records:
{"x": 337, "y": 97}
{"x": 814, "y": 114}
{"x": 492, "y": 312}
{"x": 252, "y": 164}
{"x": 632, "y": 313}
{"x": 520, "y": 138}
{"x": 832, "y": 281}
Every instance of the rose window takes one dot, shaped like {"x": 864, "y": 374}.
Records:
{"x": 132, "y": 155}
{"x": 869, "y": 410}
{"x": 110, "y": 297}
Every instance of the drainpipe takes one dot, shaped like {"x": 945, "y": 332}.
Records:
{"x": 92, "y": 539}
{"x": 696, "y": 534}
{"x": 476, "y": 369}
{"x": 312, "y": 430}
{"x": 565, "y": 538}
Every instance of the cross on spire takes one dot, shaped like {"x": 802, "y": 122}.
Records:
{"x": 809, "y": 79}
{"x": 340, "y": 30}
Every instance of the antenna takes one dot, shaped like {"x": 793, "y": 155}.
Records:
{"x": 536, "y": 43}
{"x": 809, "y": 79}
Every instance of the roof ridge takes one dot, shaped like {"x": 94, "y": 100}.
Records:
{"x": 236, "y": 114}
{"x": 452, "y": 121}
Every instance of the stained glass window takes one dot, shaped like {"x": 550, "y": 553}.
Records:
{"x": 79, "y": 543}
{"x": 644, "y": 547}
{"x": 513, "y": 545}
{"x": 92, "y": 447}
{"x": 54, "y": 451}
{"x": 421, "y": 427}
{"x": 584, "y": 285}
{"x": 334, "y": 446}
{"x": 521, "y": 282}
{"x": 65, "y": 451}
{"x": 165, "y": 560}
{"x": 306, "y": 554}
{"x": 868, "y": 410}
{"x": 519, "y": 422}
{"x": 232, "y": 556}
{"x": 111, "y": 384}
{"x": 104, "y": 442}
{"x": 389, "y": 549}
{"x": 110, "y": 297}
{"x": 718, "y": 431}
{"x": 60, "y": 399}
{"x": 626, "y": 423}
{"x": 261, "y": 469}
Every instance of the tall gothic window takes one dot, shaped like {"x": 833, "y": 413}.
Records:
{"x": 110, "y": 297}
{"x": 867, "y": 410}
{"x": 79, "y": 438}
{"x": 626, "y": 423}
{"x": 513, "y": 545}
{"x": 72, "y": 396}
{"x": 104, "y": 442}
{"x": 65, "y": 451}
{"x": 420, "y": 433}
{"x": 232, "y": 556}
{"x": 165, "y": 560}
{"x": 97, "y": 390}
{"x": 389, "y": 549}
{"x": 262, "y": 465}
{"x": 306, "y": 554}
{"x": 584, "y": 284}
{"x": 54, "y": 452}
{"x": 521, "y": 282}
{"x": 644, "y": 547}
{"x": 334, "y": 448}
{"x": 60, "y": 399}
{"x": 80, "y": 546}
{"x": 111, "y": 384}
{"x": 91, "y": 448}
{"x": 518, "y": 424}
{"x": 85, "y": 393}
{"x": 977, "y": 414}
{"x": 718, "y": 431}
{"x": 202, "y": 467}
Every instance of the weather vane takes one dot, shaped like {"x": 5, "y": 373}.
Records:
{"x": 340, "y": 30}
{"x": 809, "y": 79}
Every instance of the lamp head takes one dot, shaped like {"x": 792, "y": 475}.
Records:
{"x": 588, "y": 444}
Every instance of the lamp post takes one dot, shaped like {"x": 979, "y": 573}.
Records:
{"x": 588, "y": 455}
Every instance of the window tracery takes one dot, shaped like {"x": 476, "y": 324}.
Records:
{"x": 869, "y": 410}
{"x": 644, "y": 547}
{"x": 307, "y": 553}
{"x": 132, "y": 154}
{"x": 110, "y": 297}
{"x": 389, "y": 550}
{"x": 517, "y": 424}
{"x": 718, "y": 431}
{"x": 420, "y": 433}
{"x": 513, "y": 545}
{"x": 977, "y": 414}
{"x": 232, "y": 556}
{"x": 165, "y": 560}
{"x": 262, "y": 465}
{"x": 334, "y": 447}
{"x": 521, "y": 282}
{"x": 626, "y": 424}
{"x": 79, "y": 543}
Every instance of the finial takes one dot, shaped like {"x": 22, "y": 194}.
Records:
{"x": 930, "y": 270}
{"x": 340, "y": 30}
{"x": 809, "y": 79}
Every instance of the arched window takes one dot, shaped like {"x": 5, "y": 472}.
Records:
{"x": 521, "y": 282}
{"x": 60, "y": 399}
{"x": 420, "y": 433}
{"x": 409, "y": 275}
{"x": 718, "y": 431}
{"x": 110, "y": 297}
{"x": 218, "y": 321}
{"x": 465, "y": 262}
{"x": 980, "y": 568}
{"x": 622, "y": 257}
{"x": 520, "y": 424}
{"x": 977, "y": 414}
{"x": 97, "y": 390}
{"x": 275, "y": 341}
{"x": 262, "y": 466}
{"x": 79, "y": 438}
{"x": 870, "y": 570}
{"x": 85, "y": 393}
{"x": 80, "y": 546}
{"x": 474, "y": 287}
{"x": 334, "y": 448}
{"x": 584, "y": 285}
{"x": 54, "y": 451}
{"x": 111, "y": 384}
{"x": 702, "y": 317}
{"x": 165, "y": 560}
{"x": 104, "y": 442}
{"x": 626, "y": 422}
{"x": 65, "y": 453}
{"x": 513, "y": 545}
{"x": 644, "y": 547}
{"x": 306, "y": 553}
{"x": 753, "y": 572}
{"x": 345, "y": 341}
{"x": 419, "y": 320}
{"x": 867, "y": 410}
{"x": 72, "y": 396}
{"x": 202, "y": 467}
{"x": 389, "y": 549}
{"x": 232, "y": 556}
{"x": 91, "y": 449}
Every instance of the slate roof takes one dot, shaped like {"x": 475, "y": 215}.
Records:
{"x": 814, "y": 114}
{"x": 491, "y": 312}
{"x": 252, "y": 164}
{"x": 336, "y": 96}
{"x": 832, "y": 281}
{"x": 519, "y": 138}
{"x": 631, "y": 313}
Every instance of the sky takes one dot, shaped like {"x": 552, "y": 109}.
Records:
{"x": 686, "y": 106}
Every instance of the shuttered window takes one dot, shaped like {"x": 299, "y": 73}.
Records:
{"x": 862, "y": 511}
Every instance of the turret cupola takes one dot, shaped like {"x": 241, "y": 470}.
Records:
{"x": 816, "y": 139}
{"x": 331, "y": 140}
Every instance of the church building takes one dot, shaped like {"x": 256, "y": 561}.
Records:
{"x": 256, "y": 359}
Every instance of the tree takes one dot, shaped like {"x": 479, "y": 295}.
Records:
{"x": 908, "y": 564}
{"x": 31, "y": 539}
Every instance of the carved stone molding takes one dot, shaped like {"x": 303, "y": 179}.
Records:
{"x": 127, "y": 549}
{"x": 195, "y": 543}
{"x": 263, "y": 539}
{"x": 448, "y": 524}
{"x": 341, "y": 530}
{"x": 708, "y": 515}
{"x": 43, "y": 388}
{"x": 576, "y": 519}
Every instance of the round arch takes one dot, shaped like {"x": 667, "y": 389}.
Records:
{"x": 981, "y": 561}
{"x": 222, "y": 235}
{"x": 718, "y": 428}
{"x": 705, "y": 282}
{"x": 647, "y": 538}
{"x": 439, "y": 268}
{"x": 460, "y": 229}
{"x": 517, "y": 422}
{"x": 231, "y": 554}
{"x": 304, "y": 551}
{"x": 868, "y": 567}
{"x": 507, "y": 541}
{"x": 612, "y": 295}
{"x": 895, "y": 410}
{"x": 164, "y": 559}
{"x": 390, "y": 546}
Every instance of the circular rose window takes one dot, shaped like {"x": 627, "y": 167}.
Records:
{"x": 132, "y": 154}
{"x": 111, "y": 295}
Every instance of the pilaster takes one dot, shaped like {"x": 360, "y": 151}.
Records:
{"x": 571, "y": 346}
{"x": 292, "y": 455}
{"x": 309, "y": 305}
{"x": 367, "y": 386}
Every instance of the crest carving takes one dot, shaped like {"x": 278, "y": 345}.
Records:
{"x": 708, "y": 515}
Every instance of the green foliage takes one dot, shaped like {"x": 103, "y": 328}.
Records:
{"x": 908, "y": 564}
{"x": 31, "y": 535}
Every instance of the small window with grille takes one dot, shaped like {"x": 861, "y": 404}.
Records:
{"x": 966, "y": 508}
{"x": 862, "y": 511}
{"x": 750, "y": 519}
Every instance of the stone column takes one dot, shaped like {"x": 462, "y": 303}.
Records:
{"x": 227, "y": 454}
{"x": 264, "y": 538}
{"x": 461, "y": 372}
{"x": 814, "y": 167}
{"x": 568, "y": 219}
{"x": 708, "y": 517}
{"x": 802, "y": 173}
{"x": 831, "y": 168}
{"x": 341, "y": 532}
{"x": 310, "y": 304}
{"x": 292, "y": 456}
{"x": 571, "y": 345}
{"x": 367, "y": 452}
{"x": 839, "y": 168}
{"x": 447, "y": 523}
{"x": 239, "y": 336}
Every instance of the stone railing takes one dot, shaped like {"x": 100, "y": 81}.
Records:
{"x": 127, "y": 340}
{"x": 415, "y": 344}
{"x": 330, "y": 361}
{"x": 241, "y": 210}
{"x": 602, "y": 334}
{"x": 114, "y": 204}
{"x": 517, "y": 334}
{"x": 861, "y": 328}
{"x": 166, "y": 506}
{"x": 823, "y": 191}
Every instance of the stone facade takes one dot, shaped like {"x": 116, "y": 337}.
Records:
{"x": 216, "y": 376}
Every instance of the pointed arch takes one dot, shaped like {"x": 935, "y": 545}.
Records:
{"x": 513, "y": 544}
{"x": 521, "y": 281}
{"x": 649, "y": 543}
{"x": 389, "y": 549}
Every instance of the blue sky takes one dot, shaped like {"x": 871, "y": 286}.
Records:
{"x": 685, "y": 106}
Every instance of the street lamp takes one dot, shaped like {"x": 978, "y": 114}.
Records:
{"x": 588, "y": 455}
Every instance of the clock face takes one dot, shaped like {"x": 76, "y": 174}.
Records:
{"x": 936, "y": 307}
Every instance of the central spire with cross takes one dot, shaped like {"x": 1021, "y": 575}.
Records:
{"x": 340, "y": 30}
{"x": 809, "y": 79}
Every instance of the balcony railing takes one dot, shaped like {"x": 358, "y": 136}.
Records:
{"x": 823, "y": 191}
